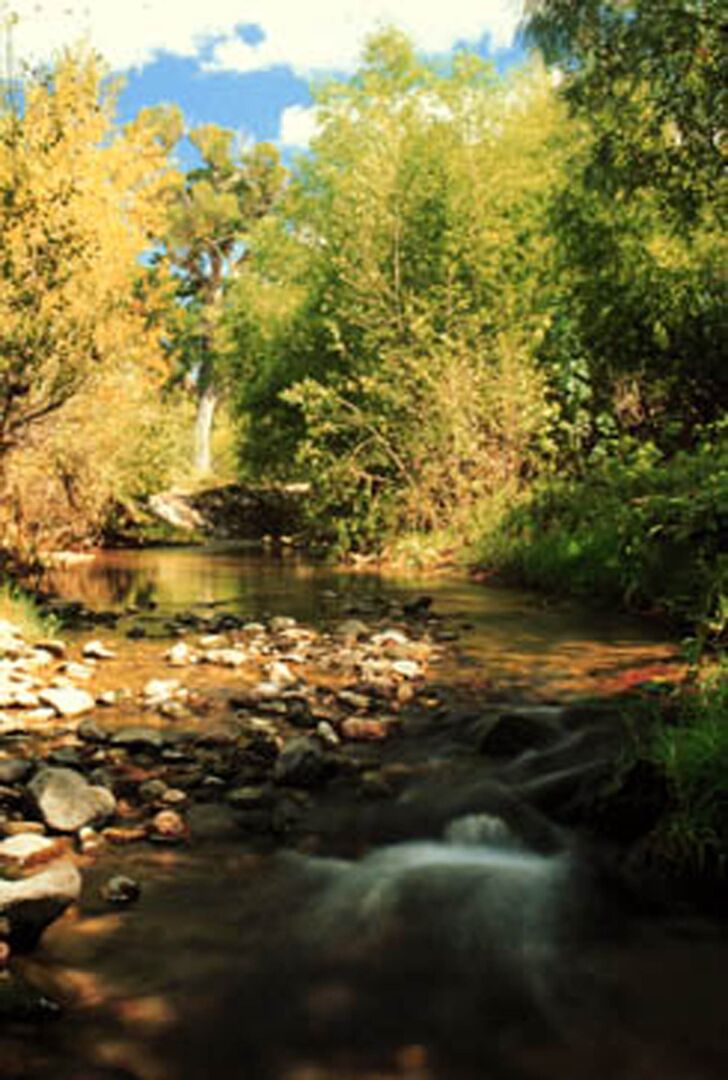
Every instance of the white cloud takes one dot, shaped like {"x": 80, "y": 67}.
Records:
{"x": 298, "y": 126}
{"x": 318, "y": 35}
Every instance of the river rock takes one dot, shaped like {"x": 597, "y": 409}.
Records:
{"x": 31, "y": 903}
{"x": 14, "y": 770}
{"x": 364, "y": 730}
{"x": 54, "y": 646}
{"x": 96, "y": 650}
{"x": 67, "y": 700}
{"x": 179, "y": 655}
{"x": 139, "y": 737}
{"x": 280, "y": 674}
{"x": 91, "y": 731}
{"x": 169, "y": 826}
{"x": 231, "y": 658}
{"x": 67, "y": 801}
{"x": 515, "y": 732}
{"x": 121, "y": 890}
{"x": 73, "y": 670}
{"x": 351, "y": 630}
{"x": 408, "y": 669}
{"x": 157, "y": 691}
{"x": 301, "y": 763}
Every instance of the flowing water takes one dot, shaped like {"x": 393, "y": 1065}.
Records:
{"x": 463, "y": 957}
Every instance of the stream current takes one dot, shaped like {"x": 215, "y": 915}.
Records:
{"x": 464, "y": 955}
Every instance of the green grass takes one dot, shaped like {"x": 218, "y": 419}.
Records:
{"x": 641, "y": 533}
{"x": 20, "y": 610}
{"x": 692, "y": 753}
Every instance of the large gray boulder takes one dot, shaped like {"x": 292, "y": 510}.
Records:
{"x": 30, "y": 901}
{"x": 67, "y": 801}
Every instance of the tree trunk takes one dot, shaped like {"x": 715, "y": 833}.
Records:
{"x": 206, "y": 404}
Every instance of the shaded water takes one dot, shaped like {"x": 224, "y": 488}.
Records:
{"x": 462, "y": 957}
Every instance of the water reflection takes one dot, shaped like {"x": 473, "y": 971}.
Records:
{"x": 509, "y": 635}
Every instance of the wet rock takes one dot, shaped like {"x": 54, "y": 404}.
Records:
{"x": 66, "y": 801}
{"x": 302, "y": 763}
{"x": 168, "y": 826}
{"x": 121, "y": 890}
{"x": 10, "y": 796}
{"x": 90, "y": 841}
{"x": 30, "y": 903}
{"x": 354, "y": 700}
{"x": 327, "y": 734}
{"x": 66, "y": 756}
{"x": 174, "y": 797}
{"x": 364, "y": 730}
{"x": 515, "y": 732}
{"x": 250, "y": 797}
{"x": 124, "y": 834}
{"x": 138, "y": 737}
{"x": 67, "y": 700}
{"x": 96, "y": 650}
{"x": 91, "y": 731}
{"x": 151, "y": 790}
{"x": 15, "y": 770}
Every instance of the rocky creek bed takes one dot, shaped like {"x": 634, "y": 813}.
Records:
{"x": 118, "y": 757}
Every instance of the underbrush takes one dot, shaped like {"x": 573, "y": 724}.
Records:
{"x": 689, "y": 750}
{"x": 640, "y": 532}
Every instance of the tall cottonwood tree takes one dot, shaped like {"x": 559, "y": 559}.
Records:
{"x": 205, "y": 244}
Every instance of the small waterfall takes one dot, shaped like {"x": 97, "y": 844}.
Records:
{"x": 475, "y": 919}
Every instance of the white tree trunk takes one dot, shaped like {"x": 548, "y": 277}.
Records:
{"x": 206, "y": 404}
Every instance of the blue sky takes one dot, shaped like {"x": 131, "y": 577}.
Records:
{"x": 247, "y": 64}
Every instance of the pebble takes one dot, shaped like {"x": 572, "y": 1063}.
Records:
{"x": 121, "y": 890}
{"x": 364, "y": 730}
{"x": 96, "y": 650}
{"x": 168, "y": 825}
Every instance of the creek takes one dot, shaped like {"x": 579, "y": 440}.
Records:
{"x": 450, "y": 944}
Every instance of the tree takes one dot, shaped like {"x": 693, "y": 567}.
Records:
{"x": 640, "y": 226}
{"x": 79, "y": 204}
{"x": 405, "y": 377}
{"x": 205, "y": 244}
{"x": 650, "y": 75}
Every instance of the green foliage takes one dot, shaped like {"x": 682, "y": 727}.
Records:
{"x": 19, "y": 609}
{"x": 690, "y": 750}
{"x": 637, "y": 529}
{"x": 403, "y": 374}
{"x": 651, "y": 77}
